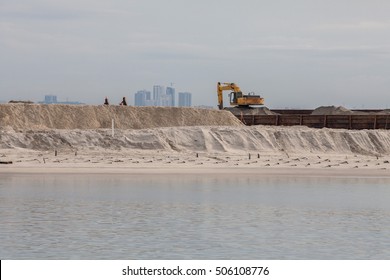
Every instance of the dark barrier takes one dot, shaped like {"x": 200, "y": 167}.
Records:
{"x": 320, "y": 121}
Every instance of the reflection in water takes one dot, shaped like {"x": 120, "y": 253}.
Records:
{"x": 193, "y": 217}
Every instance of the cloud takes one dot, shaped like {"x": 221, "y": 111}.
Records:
{"x": 355, "y": 26}
{"x": 318, "y": 48}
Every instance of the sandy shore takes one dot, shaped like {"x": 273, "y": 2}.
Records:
{"x": 194, "y": 163}
{"x": 80, "y": 139}
{"x": 279, "y": 172}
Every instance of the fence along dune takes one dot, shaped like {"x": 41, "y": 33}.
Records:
{"x": 33, "y": 116}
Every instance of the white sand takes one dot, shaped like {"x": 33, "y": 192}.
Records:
{"x": 265, "y": 140}
{"x": 141, "y": 162}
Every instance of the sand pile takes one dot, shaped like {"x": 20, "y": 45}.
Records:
{"x": 33, "y": 116}
{"x": 340, "y": 110}
{"x": 238, "y": 139}
{"x": 250, "y": 111}
{"x": 332, "y": 110}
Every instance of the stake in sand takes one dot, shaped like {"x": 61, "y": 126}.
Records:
{"x": 112, "y": 127}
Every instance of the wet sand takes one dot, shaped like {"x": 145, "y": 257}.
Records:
{"x": 194, "y": 163}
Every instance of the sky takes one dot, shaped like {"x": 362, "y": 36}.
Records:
{"x": 295, "y": 54}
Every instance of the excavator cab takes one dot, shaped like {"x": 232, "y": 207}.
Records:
{"x": 233, "y": 97}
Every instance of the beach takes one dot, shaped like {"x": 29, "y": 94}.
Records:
{"x": 117, "y": 139}
{"x": 195, "y": 163}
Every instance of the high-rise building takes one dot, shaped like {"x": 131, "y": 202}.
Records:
{"x": 142, "y": 98}
{"x": 185, "y": 99}
{"x": 50, "y": 99}
{"x": 158, "y": 91}
{"x": 171, "y": 93}
{"x": 160, "y": 96}
{"x": 165, "y": 100}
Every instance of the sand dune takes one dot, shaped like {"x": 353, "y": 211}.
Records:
{"x": 33, "y": 116}
{"x": 218, "y": 139}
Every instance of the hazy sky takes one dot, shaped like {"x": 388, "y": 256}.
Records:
{"x": 300, "y": 54}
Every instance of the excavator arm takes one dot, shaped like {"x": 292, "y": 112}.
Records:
{"x": 225, "y": 86}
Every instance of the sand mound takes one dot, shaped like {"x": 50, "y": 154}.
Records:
{"x": 250, "y": 111}
{"x": 332, "y": 110}
{"x": 31, "y": 116}
{"x": 238, "y": 139}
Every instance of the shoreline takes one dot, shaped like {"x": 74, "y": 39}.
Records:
{"x": 146, "y": 162}
{"x": 226, "y": 171}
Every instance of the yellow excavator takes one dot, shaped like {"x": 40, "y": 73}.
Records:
{"x": 237, "y": 98}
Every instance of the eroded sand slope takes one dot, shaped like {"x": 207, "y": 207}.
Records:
{"x": 33, "y": 116}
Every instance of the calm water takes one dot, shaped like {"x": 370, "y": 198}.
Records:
{"x": 193, "y": 217}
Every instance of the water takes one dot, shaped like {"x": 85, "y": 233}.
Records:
{"x": 193, "y": 217}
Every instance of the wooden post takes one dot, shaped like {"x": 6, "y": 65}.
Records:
{"x": 375, "y": 121}
{"x": 350, "y": 121}
{"x": 277, "y": 120}
{"x": 300, "y": 119}
{"x": 112, "y": 127}
{"x": 325, "y": 120}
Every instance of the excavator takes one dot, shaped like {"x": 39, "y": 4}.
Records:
{"x": 237, "y": 98}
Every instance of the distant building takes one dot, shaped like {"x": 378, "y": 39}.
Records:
{"x": 150, "y": 103}
{"x": 139, "y": 99}
{"x": 185, "y": 99}
{"x": 158, "y": 91}
{"x": 160, "y": 96}
{"x": 50, "y": 99}
{"x": 171, "y": 93}
{"x": 206, "y": 107}
{"x": 142, "y": 98}
{"x": 71, "y": 103}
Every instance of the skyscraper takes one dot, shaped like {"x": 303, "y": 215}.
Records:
{"x": 185, "y": 99}
{"x": 158, "y": 91}
{"x": 171, "y": 93}
{"x": 50, "y": 99}
{"x": 142, "y": 98}
{"x": 165, "y": 100}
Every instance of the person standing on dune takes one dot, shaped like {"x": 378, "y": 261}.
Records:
{"x": 124, "y": 103}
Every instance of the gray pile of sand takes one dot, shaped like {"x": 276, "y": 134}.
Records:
{"x": 340, "y": 110}
{"x": 34, "y": 116}
{"x": 332, "y": 110}
{"x": 250, "y": 111}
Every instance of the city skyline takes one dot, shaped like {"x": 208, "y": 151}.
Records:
{"x": 144, "y": 96}
{"x": 162, "y": 96}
